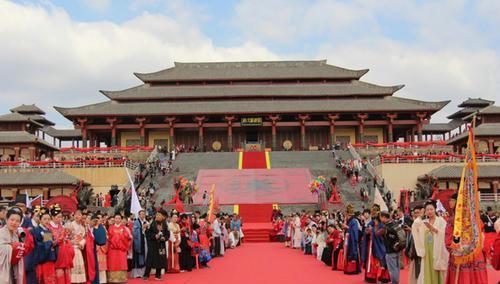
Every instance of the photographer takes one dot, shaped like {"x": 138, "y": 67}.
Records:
{"x": 12, "y": 247}
{"x": 394, "y": 242}
{"x": 157, "y": 235}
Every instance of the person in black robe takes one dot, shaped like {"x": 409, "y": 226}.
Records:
{"x": 326, "y": 257}
{"x": 186, "y": 260}
{"x": 157, "y": 235}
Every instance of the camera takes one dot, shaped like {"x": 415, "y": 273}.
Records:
{"x": 21, "y": 234}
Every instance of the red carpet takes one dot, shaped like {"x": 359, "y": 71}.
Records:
{"x": 257, "y": 186}
{"x": 270, "y": 263}
{"x": 256, "y": 213}
{"x": 254, "y": 160}
{"x": 257, "y": 232}
{"x": 256, "y": 221}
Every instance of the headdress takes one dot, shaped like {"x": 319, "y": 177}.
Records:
{"x": 40, "y": 211}
{"x": 55, "y": 209}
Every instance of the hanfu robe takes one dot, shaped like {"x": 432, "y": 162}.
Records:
{"x": 99, "y": 235}
{"x": 431, "y": 248}
{"x": 102, "y": 259}
{"x": 373, "y": 255}
{"x": 119, "y": 241}
{"x": 495, "y": 259}
{"x": 78, "y": 240}
{"x": 11, "y": 261}
{"x": 320, "y": 245}
{"x": 352, "y": 263}
{"x": 173, "y": 248}
{"x": 65, "y": 253}
{"x": 140, "y": 249}
{"x": 157, "y": 250}
{"x": 186, "y": 259}
{"x": 297, "y": 233}
{"x": 45, "y": 255}
{"x": 472, "y": 272}
{"x": 29, "y": 258}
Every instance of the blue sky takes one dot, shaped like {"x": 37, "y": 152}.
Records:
{"x": 62, "y": 52}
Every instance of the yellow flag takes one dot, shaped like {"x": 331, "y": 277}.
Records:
{"x": 467, "y": 234}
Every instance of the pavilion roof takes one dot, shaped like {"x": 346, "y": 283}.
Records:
{"x": 11, "y": 137}
{"x": 442, "y": 127}
{"x": 455, "y": 172}
{"x": 62, "y": 133}
{"x": 483, "y": 129}
{"x": 388, "y": 103}
{"x": 37, "y": 177}
{"x": 463, "y": 112}
{"x": 251, "y": 70}
{"x": 147, "y": 92}
{"x": 476, "y": 102}
{"x": 27, "y": 109}
{"x": 39, "y": 118}
{"x": 17, "y": 117}
{"x": 492, "y": 109}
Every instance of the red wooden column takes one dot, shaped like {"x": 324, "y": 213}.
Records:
{"x": 361, "y": 128}
{"x": 491, "y": 145}
{"x": 274, "y": 120}
{"x": 332, "y": 118}
{"x": 421, "y": 118}
{"x": 112, "y": 125}
{"x": 171, "y": 140}
{"x": 199, "y": 120}
{"x": 142, "y": 130}
{"x": 390, "y": 130}
{"x": 32, "y": 153}
{"x": 229, "y": 119}
{"x": 83, "y": 126}
{"x": 303, "y": 118}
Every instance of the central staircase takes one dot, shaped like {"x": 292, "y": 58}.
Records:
{"x": 256, "y": 221}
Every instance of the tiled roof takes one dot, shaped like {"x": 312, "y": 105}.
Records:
{"x": 455, "y": 172}
{"x": 36, "y": 177}
{"x": 27, "y": 109}
{"x": 484, "y": 129}
{"x": 145, "y": 92}
{"x": 17, "y": 117}
{"x": 9, "y": 137}
{"x": 442, "y": 127}
{"x": 257, "y": 70}
{"x": 388, "y": 103}
{"x": 63, "y": 133}
{"x": 476, "y": 102}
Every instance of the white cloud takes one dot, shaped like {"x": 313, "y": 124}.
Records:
{"x": 49, "y": 59}
{"x": 438, "y": 49}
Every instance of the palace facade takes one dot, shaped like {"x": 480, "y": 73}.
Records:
{"x": 282, "y": 105}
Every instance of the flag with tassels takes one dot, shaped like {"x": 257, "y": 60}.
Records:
{"x": 467, "y": 235}
{"x": 211, "y": 206}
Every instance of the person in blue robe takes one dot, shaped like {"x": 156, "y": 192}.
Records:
{"x": 100, "y": 239}
{"x": 352, "y": 263}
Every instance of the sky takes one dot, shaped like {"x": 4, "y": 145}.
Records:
{"x": 62, "y": 52}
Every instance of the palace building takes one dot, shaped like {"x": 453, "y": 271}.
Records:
{"x": 282, "y": 105}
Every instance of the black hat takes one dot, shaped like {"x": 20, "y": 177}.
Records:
{"x": 489, "y": 208}
{"x": 454, "y": 196}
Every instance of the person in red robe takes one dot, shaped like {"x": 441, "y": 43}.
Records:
{"x": 65, "y": 253}
{"x": 119, "y": 241}
{"x": 471, "y": 272}
{"x": 495, "y": 256}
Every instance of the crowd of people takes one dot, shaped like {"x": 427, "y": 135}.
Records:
{"x": 380, "y": 243}
{"x": 47, "y": 245}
